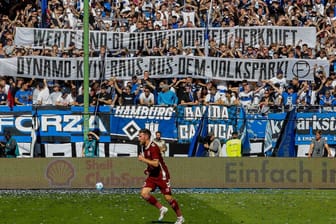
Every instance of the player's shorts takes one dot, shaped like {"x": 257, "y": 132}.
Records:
{"x": 163, "y": 185}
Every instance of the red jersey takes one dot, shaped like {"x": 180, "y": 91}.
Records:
{"x": 152, "y": 151}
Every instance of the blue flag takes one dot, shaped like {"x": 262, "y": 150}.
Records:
{"x": 44, "y": 7}
{"x": 245, "y": 139}
{"x": 285, "y": 146}
{"x": 196, "y": 148}
{"x": 206, "y": 34}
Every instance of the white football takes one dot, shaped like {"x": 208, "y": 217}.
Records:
{"x": 99, "y": 186}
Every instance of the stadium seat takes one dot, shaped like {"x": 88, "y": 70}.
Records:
{"x": 58, "y": 150}
{"x": 257, "y": 147}
{"x": 24, "y": 149}
{"x": 222, "y": 153}
{"x": 121, "y": 150}
{"x": 302, "y": 150}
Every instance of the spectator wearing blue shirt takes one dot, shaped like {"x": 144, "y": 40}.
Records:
{"x": 135, "y": 84}
{"x": 246, "y": 96}
{"x": 24, "y": 95}
{"x": 308, "y": 96}
{"x": 174, "y": 22}
{"x": 167, "y": 97}
{"x": 327, "y": 99}
{"x": 289, "y": 97}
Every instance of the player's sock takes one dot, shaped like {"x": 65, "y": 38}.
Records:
{"x": 152, "y": 200}
{"x": 173, "y": 203}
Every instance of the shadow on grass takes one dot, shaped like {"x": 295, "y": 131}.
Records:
{"x": 196, "y": 211}
{"x": 162, "y": 222}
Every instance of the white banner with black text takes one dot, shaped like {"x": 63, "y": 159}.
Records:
{"x": 115, "y": 41}
{"x": 160, "y": 67}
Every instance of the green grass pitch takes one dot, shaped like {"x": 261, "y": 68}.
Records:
{"x": 198, "y": 207}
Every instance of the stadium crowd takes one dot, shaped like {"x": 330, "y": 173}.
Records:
{"x": 146, "y": 15}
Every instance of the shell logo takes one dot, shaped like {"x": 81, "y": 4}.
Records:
{"x": 60, "y": 173}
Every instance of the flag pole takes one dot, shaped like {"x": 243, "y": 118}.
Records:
{"x": 86, "y": 68}
{"x": 206, "y": 35}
